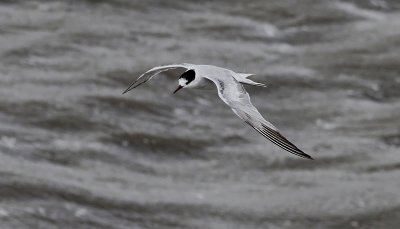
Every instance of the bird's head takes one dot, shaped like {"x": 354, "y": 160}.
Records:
{"x": 185, "y": 79}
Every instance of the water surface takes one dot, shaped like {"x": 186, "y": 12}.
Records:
{"x": 75, "y": 153}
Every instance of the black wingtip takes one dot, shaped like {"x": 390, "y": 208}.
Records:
{"x": 300, "y": 153}
{"x": 275, "y": 137}
{"x": 306, "y": 156}
{"x": 129, "y": 88}
{"x": 132, "y": 86}
{"x": 126, "y": 90}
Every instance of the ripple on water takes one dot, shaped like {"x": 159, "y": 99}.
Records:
{"x": 125, "y": 106}
{"x": 166, "y": 146}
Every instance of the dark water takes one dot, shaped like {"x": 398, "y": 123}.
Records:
{"x": 75, "y": 153}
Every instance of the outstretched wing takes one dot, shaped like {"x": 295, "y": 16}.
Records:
{"x": 154, "y": 71}
{"x": 234, "y": 94}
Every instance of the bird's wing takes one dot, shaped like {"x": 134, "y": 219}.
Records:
{"x": 234, "y": 94}
{"x": 154, "y": 71}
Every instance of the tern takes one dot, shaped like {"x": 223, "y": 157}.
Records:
{"x": 230, "y": 89}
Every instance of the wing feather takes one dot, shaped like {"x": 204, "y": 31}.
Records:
{"x": 234, "y": 94}
{"x": 154, "y": 71}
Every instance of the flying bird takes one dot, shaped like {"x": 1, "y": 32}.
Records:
{"x": 230, "y": 89}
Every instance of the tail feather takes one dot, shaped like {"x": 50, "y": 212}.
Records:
{"x": 244, "y": 75}
{"x": 242, "y": 78}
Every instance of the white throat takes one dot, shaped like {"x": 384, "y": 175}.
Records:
{"x": 182, "y": 82}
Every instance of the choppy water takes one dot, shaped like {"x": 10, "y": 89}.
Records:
{"x": 75, "y": 153}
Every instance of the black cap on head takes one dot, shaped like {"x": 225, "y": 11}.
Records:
{"x": 185, "y": 79}
{"x": 189, "y": 75}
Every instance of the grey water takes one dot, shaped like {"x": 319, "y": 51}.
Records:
{"x": 75, "y": 153}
